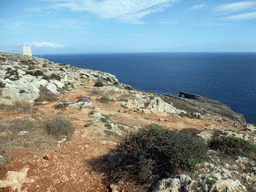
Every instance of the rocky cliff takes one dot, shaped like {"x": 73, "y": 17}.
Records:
{"x": 41, "y": 102}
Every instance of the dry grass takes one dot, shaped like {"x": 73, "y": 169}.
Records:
{"x": 23, "y": 135}
{"x": 22, "y": 106}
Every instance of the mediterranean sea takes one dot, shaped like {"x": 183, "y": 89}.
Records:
{"x": 227, "y": 77}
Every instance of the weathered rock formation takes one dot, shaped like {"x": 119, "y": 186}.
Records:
{"x": 196, "y": 103}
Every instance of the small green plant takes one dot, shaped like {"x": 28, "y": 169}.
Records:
{"x": 111, "y": 133}
{"x": 108, "y": 126}
{"x": 45, "y": 77}
{"x": 128, "y": 87}
{"x": 2, "y": 85}
{"x": 88, "y": 124}
{"x": 104, "y": 120}
{"x": 38, "y": 73}
{"x": 24, "y": 62}
{"x": 31, "y": 67}
{"x": 55, "y": 76}
{"x": 106, "y": 116}
{"x": 2, "y": 59}
{"x": 44, "y": 65}
{"x": 116, "y": 83}
{"x": 59, "y": 127}
{"x": 22, "y": 91}
{"x": 98, "y": 84}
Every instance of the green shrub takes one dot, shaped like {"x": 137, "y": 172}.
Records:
{"x": 45, "y": 77}
{"x": 108, "y": 126}
{"x": 104, "y": 120}
{"x": 98, "y": 84}
{"x": 22, "y": 91}
{"x": 29, "y": 73}
{"x": 106, "y": 116}
{"x": 231, "y": 146}
{"x": 2, "y": 59}
{"x": 31, "y": 67}
{"x": 128, "y": 87}
{"x": 38, "y": 73}
{"x": 154, "y": 152}
{"x": 111, "y": 133}
{"x": 2, "y": 85}
{"x": 55, "y": 76}
{"x": 24, "y": 62}
{"x": 59, "y": 127}
{"x": 116, "y": 83}
{"x": 44, "y": 65}
{"x": 12, "y": 74}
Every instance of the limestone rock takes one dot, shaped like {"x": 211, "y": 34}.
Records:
{"x": 158, "y": 105}
{"x": 79, "y": 105}
{"x": 15, "y": 179}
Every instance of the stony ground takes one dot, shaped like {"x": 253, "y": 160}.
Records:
{"x": 37, "y": 161}
{"x": 62, "y": 168}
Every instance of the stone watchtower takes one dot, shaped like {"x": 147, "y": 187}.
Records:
{"x": 26, "y": 50}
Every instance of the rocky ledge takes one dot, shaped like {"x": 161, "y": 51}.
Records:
{"x": 101, "y": 109}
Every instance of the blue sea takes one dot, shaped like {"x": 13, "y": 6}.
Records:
{"x": 227, "y": 77}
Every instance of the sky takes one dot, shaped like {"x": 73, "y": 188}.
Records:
{"x": 114, "y": 26}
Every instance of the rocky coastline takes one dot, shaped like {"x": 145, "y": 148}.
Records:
{"x": 100, "y": 115}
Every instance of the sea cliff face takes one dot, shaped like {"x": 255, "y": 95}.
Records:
{"x": 101, "y": 110}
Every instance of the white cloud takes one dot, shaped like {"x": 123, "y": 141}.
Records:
{"x": 130, "y": 11}
{"x": 45, "y": 44}
{"x": 198, "y": 6}
{"x": 251, "y": 15}
{"x": 30, "y": 10}
{"x": 235, "y": 7}
{"x": 168, "y": 22}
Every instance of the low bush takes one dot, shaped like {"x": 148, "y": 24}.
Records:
{"x": 12, "y": 74}
{"x": 31, "y": 67}
{"x": 38, "y": 73}
{"x": 230, "y": 146}
{"x": 103, "y": 120}
{"x": 104, "y": 99}
{"x": 46, "y": 94}
{"x": 153, "y": 153}
{"x": 98, "y": 84}
{"x": 2, "y": 59}
{"x": 2, "y": 85}
{"x": 60, "y": 127}
{"x": 22, "y": 91}
{"x": 192, "y": 131}
{"x": 55, "y": 76}
{"x": 108, "y": 126}
{"x": 61, "y": 105}
{"x": 22, "y": 106}
{"x": 128, "y": 87}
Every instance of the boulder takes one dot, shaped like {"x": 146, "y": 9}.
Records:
{"x": 79, "y": 105}
{"x": 158, "y": 105}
